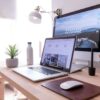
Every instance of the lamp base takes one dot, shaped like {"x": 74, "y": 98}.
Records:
{"x": 92, "y": 71}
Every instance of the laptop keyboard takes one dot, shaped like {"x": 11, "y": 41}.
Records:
{"x": 45, "y": 71}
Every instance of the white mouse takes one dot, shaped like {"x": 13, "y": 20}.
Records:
{"x": 67, "y": 85}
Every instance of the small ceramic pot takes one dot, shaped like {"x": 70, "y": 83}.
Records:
{"x": 12, "y": 63}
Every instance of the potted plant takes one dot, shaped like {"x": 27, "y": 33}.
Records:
{"x": 12, "y": 51}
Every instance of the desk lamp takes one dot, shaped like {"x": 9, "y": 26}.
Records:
{"x": 35, "y": 16}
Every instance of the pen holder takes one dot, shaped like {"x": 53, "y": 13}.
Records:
{"x": 92, "y": 71}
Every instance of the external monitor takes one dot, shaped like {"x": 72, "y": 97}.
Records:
{"x": 84, "y": 23}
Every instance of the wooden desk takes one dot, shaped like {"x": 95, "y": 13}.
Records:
{"x": 1, "y": 88}
{"x": 35, "y": 91}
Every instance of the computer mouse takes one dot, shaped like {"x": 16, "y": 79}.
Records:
{"x": 67, "y": 85}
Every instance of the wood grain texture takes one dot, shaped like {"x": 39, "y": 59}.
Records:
{"x": 1, "y": 88}
{"x": 34, "y": 91}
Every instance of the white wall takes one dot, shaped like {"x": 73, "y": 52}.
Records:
{"x": 20, "y": 30}
{"x": 8, "y": 9}
{"x": 72, "y": 5}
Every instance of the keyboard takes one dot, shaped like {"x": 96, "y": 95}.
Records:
{"x": 45, "y": 71}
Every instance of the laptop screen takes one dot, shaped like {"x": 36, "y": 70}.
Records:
{"x": 58, "y": 52}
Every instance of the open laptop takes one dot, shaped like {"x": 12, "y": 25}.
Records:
{"x": 56, "y": 60}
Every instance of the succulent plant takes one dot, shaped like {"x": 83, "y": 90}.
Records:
{"x": 12, "y": 51}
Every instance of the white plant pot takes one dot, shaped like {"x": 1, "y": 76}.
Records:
{"x": 12, "y": 63}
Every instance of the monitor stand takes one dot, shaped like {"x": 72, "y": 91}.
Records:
{"x": 78, "y": 65}
{"x": 81, "y": 62}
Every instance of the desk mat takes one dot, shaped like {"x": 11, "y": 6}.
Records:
{"x": 83, "y": 93}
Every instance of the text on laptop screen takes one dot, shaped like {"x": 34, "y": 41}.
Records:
{"x": 58, "y": 52}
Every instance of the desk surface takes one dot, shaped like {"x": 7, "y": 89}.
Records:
{"x": 35, "y": 91}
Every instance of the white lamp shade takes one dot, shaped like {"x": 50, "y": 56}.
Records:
{"x": 35, "y": 17}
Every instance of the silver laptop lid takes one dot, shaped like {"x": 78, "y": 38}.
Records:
{"x": 58, "y": 53}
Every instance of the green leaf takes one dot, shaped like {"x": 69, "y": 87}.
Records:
{"x": 12, "y": 51}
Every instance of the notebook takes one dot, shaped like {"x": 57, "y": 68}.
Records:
{"x": 56, "y": 60}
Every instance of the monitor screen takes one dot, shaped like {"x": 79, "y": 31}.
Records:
{"x": 84, "y": 24}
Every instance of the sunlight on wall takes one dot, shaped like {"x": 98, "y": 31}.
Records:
{"x": 21, "y": 30}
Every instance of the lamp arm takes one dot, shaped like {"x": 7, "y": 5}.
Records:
{"x": 35, "y": 16}
{"x": 45, "y": 12}
{"x": 58, "y": 11}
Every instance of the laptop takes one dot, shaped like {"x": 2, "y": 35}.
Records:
{"x": 56, "y": 60}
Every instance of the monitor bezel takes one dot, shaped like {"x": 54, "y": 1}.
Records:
{"x": 76, "y": 12}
